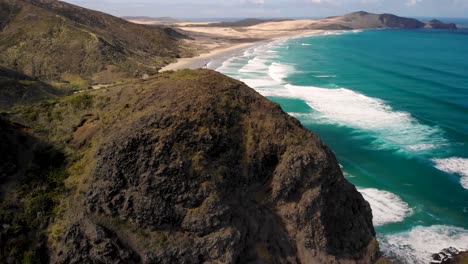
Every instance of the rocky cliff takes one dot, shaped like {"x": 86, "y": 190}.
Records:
{"x": 437, "y": 24}
{"x": 73, "y": 47}
{"x": 194, "y": 167}
{"x": 363, "y": 20}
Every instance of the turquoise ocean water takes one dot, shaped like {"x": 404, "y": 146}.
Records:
{"x": 393, "y": 106}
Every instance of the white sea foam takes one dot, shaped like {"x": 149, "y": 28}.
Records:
{"x": 325, "y": 76}
{"x": 418, "y": 244}
{"x": 454, "y": 165}
{"x": 256, "y": 64}
{"x": 347, "y": 107}
{"x": 230, "y": 66}
{"x": 422, "y": 147}
{"x": 305, "y": 44}
{"x": 259, "y": 82}
{"x": 278, "y": 71}
{"x": 341, "y": 32}
{"x": 248, "y": 52}
{"x": 386, "y": 206}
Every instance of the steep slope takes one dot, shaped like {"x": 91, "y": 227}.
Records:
{"x": 361, "y": 20}
{"x": 31, "y": 180}
{"x": 195, "y": 167}
{"x": 74, "y": 46}
{"x": 19, "y": 89}
{"x": 437, "y": 24}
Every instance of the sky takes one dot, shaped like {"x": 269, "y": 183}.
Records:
{"x": 275, "y": 8}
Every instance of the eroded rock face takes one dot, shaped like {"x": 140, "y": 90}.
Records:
{"x": 211, "y": 172}
{"x": 89, "y": 243}
{"x": 437, "y": 24}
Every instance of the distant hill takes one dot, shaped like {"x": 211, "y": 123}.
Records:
{"x": 362, "y": 20}
{"x": 151, "y": 20}
{"x": 73, "y": 47}
{"x": 243, "y": 23}
{"x": 437, "y": 24}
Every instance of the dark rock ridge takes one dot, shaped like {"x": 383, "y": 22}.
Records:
{"x": 437, "y": 24}
{"x": 450, "y": 255}
{"x": 60, "y": 42}
{"x": 195, "y": 167}
{"x": 363, "y": 20}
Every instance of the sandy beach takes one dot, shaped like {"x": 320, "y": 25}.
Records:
{"x": 203, "y": 59}
{"x": 217, "y": 42}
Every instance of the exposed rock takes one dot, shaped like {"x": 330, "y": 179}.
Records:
{"x": 90, "y": 243}
{"x": 363, "y": 20}
{"x": 185, "y": 167}
{"x": 450, "y": 255}
{"x": 437, "y": 24}
{"x": 205, "y": 170}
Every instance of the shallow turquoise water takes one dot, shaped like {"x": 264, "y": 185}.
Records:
{"x": 393, "y": 106}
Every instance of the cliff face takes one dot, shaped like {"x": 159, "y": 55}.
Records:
{"x": 74, "y": 47}
{"x": 363, "y": 20}
{"x": 194, "y": 167}
{"x": 437, "y": 24}
{"x": 186, "y": 167}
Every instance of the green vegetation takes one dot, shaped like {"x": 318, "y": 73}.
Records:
{"x": 69, "y": 47}
{"x": 81, "y": 101}
{"x": 18, "y": 89}
{"x": 25, "y": 212}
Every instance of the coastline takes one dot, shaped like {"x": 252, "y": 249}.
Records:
{"x": 217, "y": 53}
{"x": 200, "y": 60}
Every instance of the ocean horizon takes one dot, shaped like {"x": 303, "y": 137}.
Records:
{"x": 393, "y": 106}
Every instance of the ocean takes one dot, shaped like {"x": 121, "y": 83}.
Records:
{"x": 393, "y": 106}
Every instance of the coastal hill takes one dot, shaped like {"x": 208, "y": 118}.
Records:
{"x": 357, "y": 20}
{"x": 151, "y": 20}
{"x": 437, "y": 24}
{"x": 248, "y": 22}
{"x": 19, "y": 89}
{"x": 178, "y": 167}
{"x": 185, "y": 167}
{"x": 363, "y": 20}
{"x": 254, "y": 29}
{"x": 73, "y": 47}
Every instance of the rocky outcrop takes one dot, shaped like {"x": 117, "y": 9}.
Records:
{"x": 90, "y": 243}
{"x": 450, "y": 255}
{"x": 364, "y": 20}
{"x": 203, "y": 169}
{"x": 437, "y": 24}
{"x": 184, "y": 167}
{"x": 392, "y": 21}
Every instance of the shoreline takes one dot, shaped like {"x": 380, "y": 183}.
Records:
{"x": 205, "y": 58}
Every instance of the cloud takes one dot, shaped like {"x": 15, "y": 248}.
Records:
{"x": 275, "y": 8}
{"x": 257, "y": 2}
{"x": 413, "y": 2}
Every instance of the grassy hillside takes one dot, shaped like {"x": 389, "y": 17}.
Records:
{"x": 19, "y": 89}
{"x": 134, "y": 173}
{"x": 73, "y": 47}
